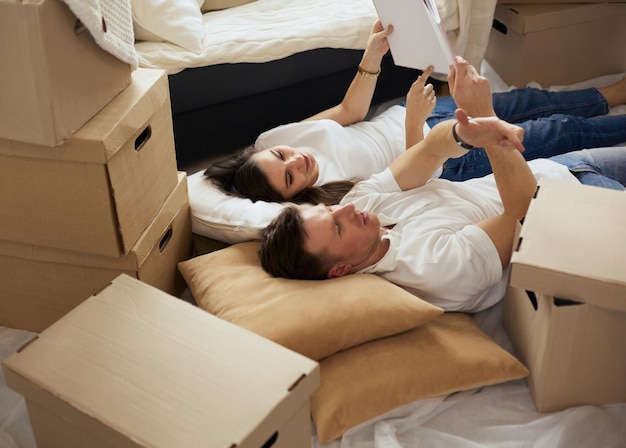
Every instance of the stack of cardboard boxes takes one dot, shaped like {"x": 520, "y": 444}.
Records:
{"x": 89, "y": 187}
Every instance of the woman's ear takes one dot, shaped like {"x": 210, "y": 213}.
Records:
{"x": 339, "y": 270}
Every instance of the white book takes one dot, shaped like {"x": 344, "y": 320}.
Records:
{"x": 418, "y": 39}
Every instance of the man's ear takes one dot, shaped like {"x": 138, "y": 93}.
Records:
{"x": 339, "y": 270}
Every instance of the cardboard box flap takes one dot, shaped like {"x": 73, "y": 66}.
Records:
{"x": 168, "y": 373}
{"x": 572, "y": 245}
{"x": 124, "y": 118}
{"x": 525, "y": 19}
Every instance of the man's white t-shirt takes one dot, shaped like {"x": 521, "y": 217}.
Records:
{"x": 436, "y": 251}
{"x": 345, "y": 152}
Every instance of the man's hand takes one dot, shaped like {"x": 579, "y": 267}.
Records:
{"x": 489, "y": 132}
{"x": 470, "y": 90}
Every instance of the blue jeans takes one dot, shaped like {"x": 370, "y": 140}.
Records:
{"x": 553, "y": 122}
{"x": 602, "y": 167}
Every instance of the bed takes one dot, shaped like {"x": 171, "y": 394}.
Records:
{"x": 238, "y": 71}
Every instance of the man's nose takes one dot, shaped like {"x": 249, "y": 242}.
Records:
{"x": 344, "y": 209}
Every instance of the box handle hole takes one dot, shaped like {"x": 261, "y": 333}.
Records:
{"x": 271, "y": 441}
{"x": 79, "y": 27}
{"x": 143, "y": 138}
{"x": 533, "y": 299}
{"x": 166, "y": 239}
{"x": 499, "y": 26}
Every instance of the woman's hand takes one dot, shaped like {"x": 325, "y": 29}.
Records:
{"x": 420, "y": 102}
{"x": 377, "y": 47}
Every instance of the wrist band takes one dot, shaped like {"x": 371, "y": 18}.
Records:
{"x": 369, "y": 75}
{"x": 460, "y": 142}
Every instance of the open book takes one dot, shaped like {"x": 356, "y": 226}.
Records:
{"x": 418, "y": 39}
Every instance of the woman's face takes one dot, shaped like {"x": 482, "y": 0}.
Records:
{"x": 288, "y": 170}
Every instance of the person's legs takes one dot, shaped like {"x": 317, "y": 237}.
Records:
{"x": 602, "y": 167}
{"x": 519, "y": 105}
{"x": 546, "y": 137}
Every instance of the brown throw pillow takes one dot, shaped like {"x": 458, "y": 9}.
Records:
{"x": 313, "y": 318}
{"x": 448, "y": 354}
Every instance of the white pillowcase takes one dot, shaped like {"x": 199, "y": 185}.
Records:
{"x": 226, "y": 218}
{"x": 175, "y": 21}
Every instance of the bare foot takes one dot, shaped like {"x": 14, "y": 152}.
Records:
{"x": 470, "y": 90}
{"x": 615, "y": 94}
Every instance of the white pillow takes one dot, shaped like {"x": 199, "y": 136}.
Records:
{"x": 175, "y": 21}
{"x": 226, "y": 218}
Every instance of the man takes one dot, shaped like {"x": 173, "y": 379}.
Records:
{"x": 448, "y": 243}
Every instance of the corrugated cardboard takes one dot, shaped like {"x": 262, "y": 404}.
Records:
{"x": 40, "y": 285}
{"x": 134, "y": 367}
{"x": 53, "y": 78}
{"x": 549, "y": 2}
{"x": 565, "y": 308}
{"x": 557, "y": 44}
{"x": 98, "y": 191}
{"x": 572, "y": 245}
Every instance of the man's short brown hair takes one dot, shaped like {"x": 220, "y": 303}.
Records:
{"x": 282, "y": 251}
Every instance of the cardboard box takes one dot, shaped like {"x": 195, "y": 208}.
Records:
{"x": 135, "y": 367}
{"x": 98, "y": 191}
{"x": 40, "y": 285}
{"x": 54, "y": 77}
{"x": 565, "y": 308}
{"x": 557, "y": 44}
{"x": 549, "y": 2}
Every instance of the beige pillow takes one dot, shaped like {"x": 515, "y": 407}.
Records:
{"x": 313, "y": 318}
{"x": 446, "y": 355}
{"x": 212, "y": 5}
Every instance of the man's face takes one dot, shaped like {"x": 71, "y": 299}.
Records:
{"x": 343, "y": 233}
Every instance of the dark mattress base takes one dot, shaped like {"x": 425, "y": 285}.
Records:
{"x": 221, "y": 108}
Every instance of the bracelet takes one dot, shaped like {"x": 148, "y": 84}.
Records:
{"x": 460, "y": 142}
{"x": 369, "y": 75}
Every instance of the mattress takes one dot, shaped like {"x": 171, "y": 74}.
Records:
{"x": 266, "y": 30}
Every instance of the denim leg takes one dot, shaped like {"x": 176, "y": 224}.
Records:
{"x": 546, "y": 137}
{"x": 519, "y": 105}
{"x": 601, "y": 167}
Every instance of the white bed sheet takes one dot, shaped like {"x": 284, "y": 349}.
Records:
{"x": 267, "y": 30}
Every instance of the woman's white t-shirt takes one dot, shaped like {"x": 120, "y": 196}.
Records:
{"x": 345, "y": 152}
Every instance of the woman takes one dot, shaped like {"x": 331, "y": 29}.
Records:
{"x": 321, "y": 164}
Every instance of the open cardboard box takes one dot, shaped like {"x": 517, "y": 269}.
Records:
{"x": 565, "y": 307}
{"x": 134, "y": 367}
